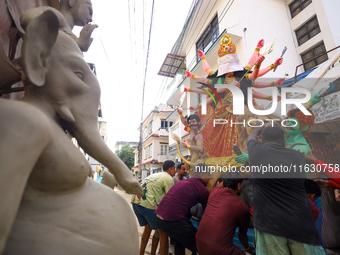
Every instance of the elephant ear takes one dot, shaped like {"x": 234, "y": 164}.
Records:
{"x": 41, "y": 35}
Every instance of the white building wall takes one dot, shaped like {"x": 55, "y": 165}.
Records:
{"x": 330, "y": 8}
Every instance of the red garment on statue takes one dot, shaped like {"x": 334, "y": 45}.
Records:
{"x": 225, "y": 211}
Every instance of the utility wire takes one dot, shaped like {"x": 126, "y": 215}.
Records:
{"x": 147, "y": 58}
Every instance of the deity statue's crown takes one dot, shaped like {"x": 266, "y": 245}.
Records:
{"x": 226, "y": 46}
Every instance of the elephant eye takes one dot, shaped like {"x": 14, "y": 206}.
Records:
{"x": 79, "y": 75}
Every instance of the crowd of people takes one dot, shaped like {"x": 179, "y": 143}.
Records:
{"x": 282, "y": 214}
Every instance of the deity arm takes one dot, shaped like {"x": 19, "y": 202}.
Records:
{"x": 244, "y": 157}
{"x": 259, "y": 84}
{"x": 183, "y": 120}
{"x": 314, "y": 100}
{"x": 255, "y": 73}
{"x": 206, "y": 66}
{"x": 21, "y": 146}
{"x": 271, "y": 67}
{"x": 218, "y": 90}
{"x": 255, "y": 55}
{"x": 259, "y": 95}
{"x": 198, "y": 78}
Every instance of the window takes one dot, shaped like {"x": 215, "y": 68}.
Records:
{"x": 164, "y": 149}
{"x": 148, "y": 151}
{"x": 149, "y": 128}
{"x": 297, "y": 6}
{"x": 308, "y": 30}
{"x": 312, "y": 53}
{"x": 166, "y": 124}
{"x": 208, "y": 37}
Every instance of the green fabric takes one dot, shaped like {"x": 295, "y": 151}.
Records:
{"x": 154, "y": 187}
{"x": 267, "y": 244}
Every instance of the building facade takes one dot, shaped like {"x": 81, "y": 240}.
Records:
{"x": 155, "y": 141}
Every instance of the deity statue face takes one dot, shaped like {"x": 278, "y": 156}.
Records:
{"x": 193, "y": 124}
{"x": 82, "y": 12}
{"x": 291, "y": 130}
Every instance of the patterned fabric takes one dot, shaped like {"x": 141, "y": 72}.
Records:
{"x": 154, "y": 187}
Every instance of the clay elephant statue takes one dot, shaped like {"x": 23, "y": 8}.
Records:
{"x": 48, "y": 203}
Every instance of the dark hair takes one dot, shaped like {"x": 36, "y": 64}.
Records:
{"x": 232, "y": 180}
{"x": 194, "y": 116}
{"x": 273, "y": 134}
{"x": 179, "y": 165}
{"x": 168, "y": 164}
{"x": 311, "y": 187}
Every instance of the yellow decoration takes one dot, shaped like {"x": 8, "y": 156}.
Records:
{"x": 226, "y": 46}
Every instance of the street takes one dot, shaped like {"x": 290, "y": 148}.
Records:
{"x": 127, "y": 197}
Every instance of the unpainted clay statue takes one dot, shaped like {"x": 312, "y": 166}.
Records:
{"x": 109, "y": 180}
{"x": 79, "y": 13}
{"x": 49, "y": 205}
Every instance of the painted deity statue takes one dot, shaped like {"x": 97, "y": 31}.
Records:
{"x": 299, "y": 127}
{"x": 49, "y": 205}
{"x": 195, "y": 140}
{"x": 230, "y": 71}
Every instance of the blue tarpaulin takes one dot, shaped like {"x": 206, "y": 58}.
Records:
{"x": 289, "y": 82}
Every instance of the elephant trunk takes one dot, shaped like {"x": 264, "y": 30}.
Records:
{"x": 91, "y": 142}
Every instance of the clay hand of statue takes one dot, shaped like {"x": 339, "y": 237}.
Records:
{"x": 236, "y": 84}
{"x": 201, "y": 54}
{"x": 259, "y": 59}
{"x": 278, "y": 62}
{"x": 84, "y": 41}
{"x": 185, "y": 143}
{"x": 278, "y": 98}
{"x": 188, "y": 74}
{"x": 279, "y": 82}
{"x": 244, "y": 157}
{"x": 193, "y": 108}
{"x": 179, "y": 110}
{"x": 337, "y": 195}
{"x": 315, "y": 99}
{"x": 260, "y": 44}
